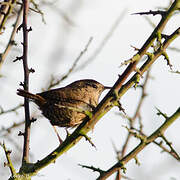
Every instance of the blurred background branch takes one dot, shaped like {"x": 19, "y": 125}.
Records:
{"x": 57, "y": 37}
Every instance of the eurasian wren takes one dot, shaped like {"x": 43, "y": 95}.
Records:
{"x": 65, "y": 106}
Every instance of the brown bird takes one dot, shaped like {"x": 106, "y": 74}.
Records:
{"x": 66, "y": 106}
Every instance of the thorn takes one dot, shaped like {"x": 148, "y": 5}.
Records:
{"x": 22, "y": 43}
{"x": 135, "y": 48}
{"x": 21, "y": 84}
{"x": 123, "y": 169}
{"x": 139, "y": 72}
{"x": 162, "y": 13}
{"x": 165, "y": 36}
{"x": 5, "y": 164}
{"x": 161, "y": 113}
{"x": 137, "y": 161}
{"x": 13, "y": 42}
{"x": 30, "y": 29}
{"x": 20, "y": 133}
{"x": 120, "y": 107}
{"x": 18, "y": 58}
{"x": 166, "y": 57}
{"x": 92, "y": 168}
{"x": 88, "y": 139}
{"x": 131, "y": 60}
{"x": 161, "y": 142}
{"x": 31, "y": 70}
{"x": 9, "y": 152}
{"x": 3, "y": 13}
{"x": 19, "y": 28}
{"x": 33, "y": 120}
{"x": 136, "y": 80}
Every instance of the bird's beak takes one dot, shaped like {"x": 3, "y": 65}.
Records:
{"x": 107, "y": 87}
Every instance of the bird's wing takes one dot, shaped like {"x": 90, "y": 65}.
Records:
{"x": 56, "y": 96}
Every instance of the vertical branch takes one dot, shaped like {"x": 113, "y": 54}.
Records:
{"x": 26, "y": 82}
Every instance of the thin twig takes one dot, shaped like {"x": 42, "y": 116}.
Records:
{"x": 104, "y": 41}
{"x": 172, "y": 150}
{"x": 55, "y": 8}
{"x": 36, "y": 10}
{"x": 160, "y": 144}
{"x": 14, "y": 109}
{"x": 11, "y": 40}
{"x": 132, "y": 120}
{"x": 9, "y": 163}
{"x": 5, "y": 131}
{"x": 5, "y": 10}
{"x": 52, "y": 83}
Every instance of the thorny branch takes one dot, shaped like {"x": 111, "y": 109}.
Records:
{"x": 132, "y": 120}
{"x": 140, "y": 147}
{"x": 160, "y": 144}
{"x": 121, "y": 153}
{"x": 172, "y": 150}
{"x": 26, "y": 82}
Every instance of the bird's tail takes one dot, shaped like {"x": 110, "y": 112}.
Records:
{"x": 34, "y": 97}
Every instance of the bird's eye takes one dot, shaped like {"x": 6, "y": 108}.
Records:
{"x": 92, "y": 85}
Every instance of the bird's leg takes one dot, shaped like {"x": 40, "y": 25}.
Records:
{"x": 60, "y": 140}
